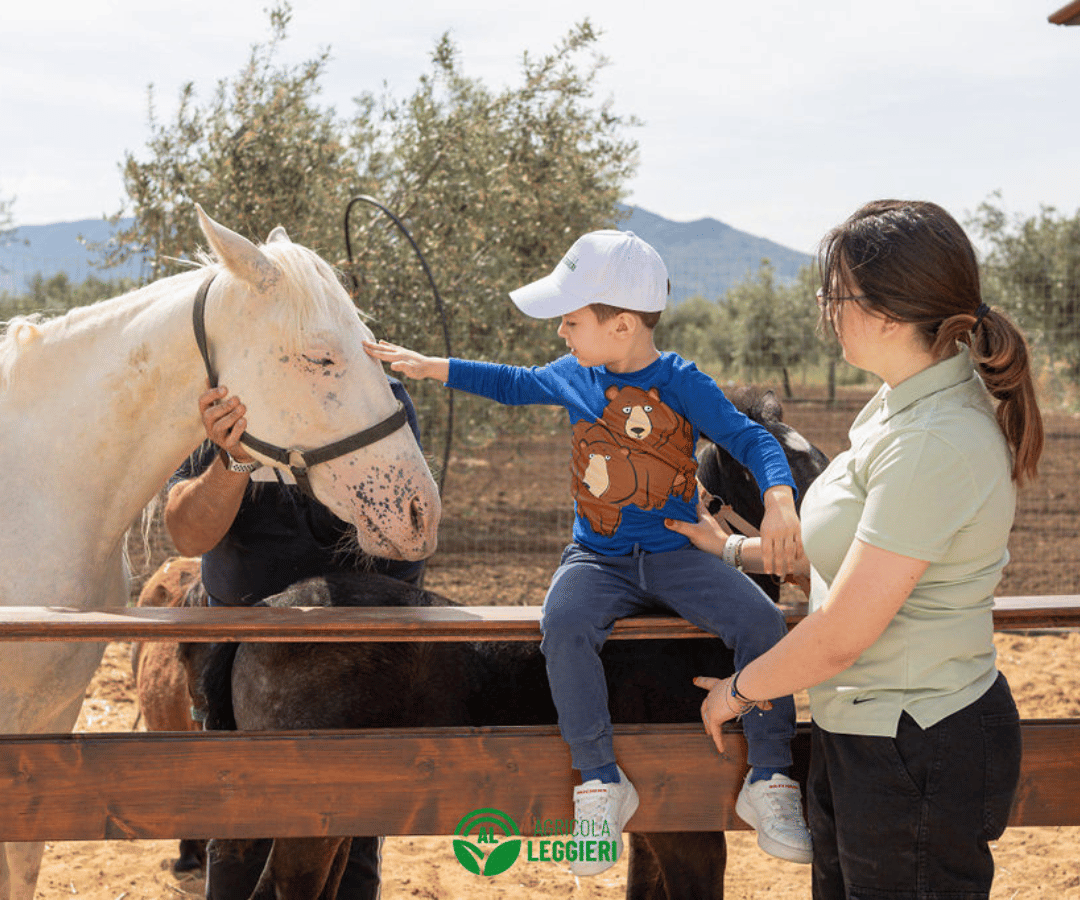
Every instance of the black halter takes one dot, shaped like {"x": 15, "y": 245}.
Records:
{"x": 298, "y": 461}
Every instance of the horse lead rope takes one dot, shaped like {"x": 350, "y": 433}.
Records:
{"x": 298, "y": 461}
{"x": 365, "y": 198}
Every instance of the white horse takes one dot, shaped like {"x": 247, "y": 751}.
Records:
{"x": 99, "y": 407}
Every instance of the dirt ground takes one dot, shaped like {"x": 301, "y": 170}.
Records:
{"x": 485, "y": 493}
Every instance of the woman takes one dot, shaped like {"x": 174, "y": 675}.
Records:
{"x": 916, "y": 739}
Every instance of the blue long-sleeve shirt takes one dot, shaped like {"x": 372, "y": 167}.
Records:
{"x": 634, "y": 434}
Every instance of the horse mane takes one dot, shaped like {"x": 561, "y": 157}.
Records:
{"x": 305, "y": 305}
{"x": 23, "y": 334}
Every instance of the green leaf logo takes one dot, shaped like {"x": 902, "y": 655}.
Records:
{"x": 502, "y": 857}
{"x": 463, "y": 849}
{"x": 487, "y": 822}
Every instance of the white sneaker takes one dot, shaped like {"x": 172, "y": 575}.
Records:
{"x": 601, "y": 811}
{"x": 774, "y": 809}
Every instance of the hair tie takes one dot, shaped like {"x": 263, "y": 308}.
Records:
{"x": 980, "y": 314}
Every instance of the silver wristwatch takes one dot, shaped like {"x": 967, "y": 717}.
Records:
{"x": 234, "y": 465}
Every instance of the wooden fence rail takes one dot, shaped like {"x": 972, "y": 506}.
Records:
{"x": 404, "y": 781}
{"x": 443, "y": 623}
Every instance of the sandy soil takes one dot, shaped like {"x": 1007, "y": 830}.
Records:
{"x": 1033, "y": 863}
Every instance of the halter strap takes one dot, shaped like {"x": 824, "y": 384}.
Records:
{"x": 298, "y": 461}
{"x": 198, "y": 323}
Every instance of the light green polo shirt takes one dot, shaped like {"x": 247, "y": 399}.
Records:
{"x": 928, "y": 475}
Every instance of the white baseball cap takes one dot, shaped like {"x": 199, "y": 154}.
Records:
{"x": 613, "y": 267}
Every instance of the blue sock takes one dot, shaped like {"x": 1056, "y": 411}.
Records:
{"x": 764, "y": 773}
{"x": 608, "y": 774}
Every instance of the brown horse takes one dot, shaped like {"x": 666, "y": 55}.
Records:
{"x": 160, "y": 677}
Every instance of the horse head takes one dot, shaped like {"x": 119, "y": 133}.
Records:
{"x": 286, "y": 338}
{"x": 730, "y": 482}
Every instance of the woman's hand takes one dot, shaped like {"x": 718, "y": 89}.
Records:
{"x": 223, "y": 419}
{"x": 409, "y": 362}
{"x": 781, "y": 533}
{"x": 720, "y": 706}
{"x": 706, "y": 533}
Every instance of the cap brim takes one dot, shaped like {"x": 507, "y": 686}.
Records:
{"x": 546, "y": 298}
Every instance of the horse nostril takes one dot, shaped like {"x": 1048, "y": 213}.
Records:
{"x": 416, "y": 514}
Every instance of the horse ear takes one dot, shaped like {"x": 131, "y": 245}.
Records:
{"x": 241, "y": 257}
{"x": 770, "y": 407}
{"x": 279, "y": 234}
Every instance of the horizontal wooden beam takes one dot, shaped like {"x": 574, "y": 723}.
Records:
{"x": 406, "y": 781}
{"x": 446, "y": 623}
{"x": 383, "y": 781}
{"x": 438, "y": 623}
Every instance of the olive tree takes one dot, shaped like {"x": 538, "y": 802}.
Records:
{"x": 1032, "y": 269}
{"x": 773, "y": 323}
{"x": 260, "y": 153}
{"x": 494, "y": 185}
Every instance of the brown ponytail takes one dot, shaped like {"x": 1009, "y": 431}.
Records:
{"x": 1000, "y": 352}
{"x": 913, "y": 263}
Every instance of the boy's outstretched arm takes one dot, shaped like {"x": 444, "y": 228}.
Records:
{"x": 781, "y": 534}
{"x": 409, "y": 362}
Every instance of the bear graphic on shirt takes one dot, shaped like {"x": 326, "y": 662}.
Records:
{"x": 640, "y": 452}
{"x": 661, "y": 443}
{"x": 604, "y": 481}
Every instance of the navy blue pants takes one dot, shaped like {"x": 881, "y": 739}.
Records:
{"x": 589, "y": 592}
{"x": 911, "y": 817}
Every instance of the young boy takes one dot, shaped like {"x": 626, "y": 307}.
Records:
{"x": 636, "y": 415}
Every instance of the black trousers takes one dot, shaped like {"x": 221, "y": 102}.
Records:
{"x": 911, "y": 817}
{"x": 234, "y": 876}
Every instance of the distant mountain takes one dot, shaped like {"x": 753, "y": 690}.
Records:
{"x": 705, "y": 257}
{"x": 48, "y": 249}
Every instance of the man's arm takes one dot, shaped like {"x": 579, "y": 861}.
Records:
{"x": 200, "y": 510}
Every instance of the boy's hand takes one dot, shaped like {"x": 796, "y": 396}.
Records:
{"x": 409, "y": 362}
{"x": 781, "y": 535}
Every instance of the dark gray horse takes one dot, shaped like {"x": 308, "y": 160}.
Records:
{"x": 298, "y": 686}
{"x": 732, "y": 483}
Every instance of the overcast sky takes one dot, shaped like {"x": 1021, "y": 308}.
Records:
{"x": 778, "y": 118}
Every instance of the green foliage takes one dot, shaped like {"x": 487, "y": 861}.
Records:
{"x": 1033, "y": 271}
{"x": 58, "y": 294}
{"x": 759, "y": 328}
{"x": 772, "y": 323}
{"x": 494, "y": 186}
{"x": 260, "y": 154}
{"x": 699, "y": 329}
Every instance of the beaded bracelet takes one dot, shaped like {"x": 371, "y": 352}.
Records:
{"x": 732, "y": 554}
